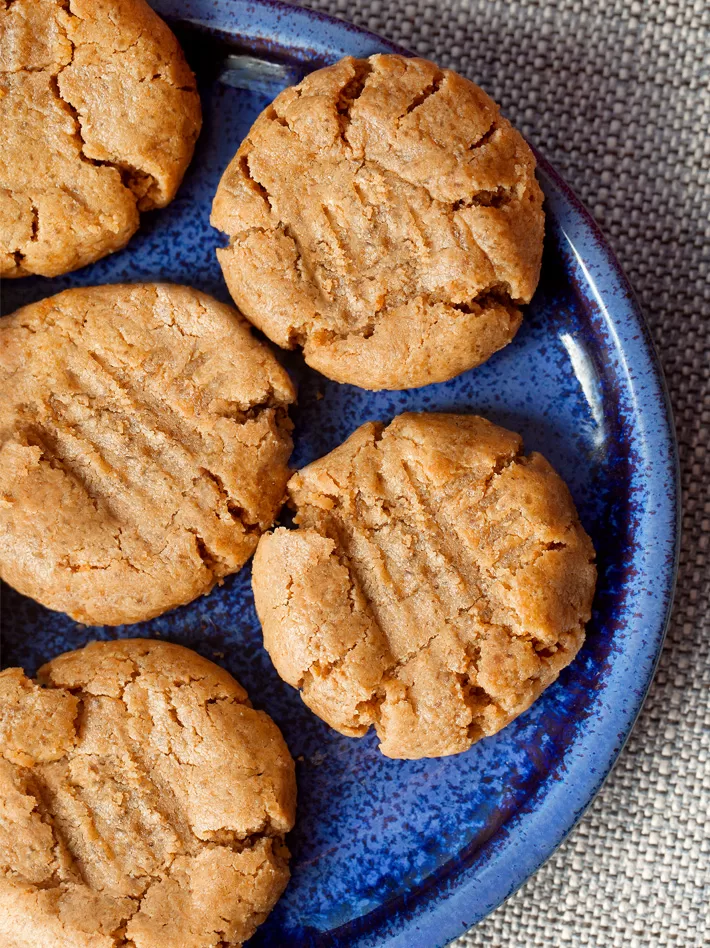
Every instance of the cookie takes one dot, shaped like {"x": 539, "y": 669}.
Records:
{"x": 144, "y": 440}
{"x": 144, "y": 802}
{"x": 385, "y": 217}
{"x": 438, "y": 581}
{"x": 100, "y": 114}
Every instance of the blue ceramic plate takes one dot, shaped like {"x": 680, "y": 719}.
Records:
{"x": 392, "y": 853}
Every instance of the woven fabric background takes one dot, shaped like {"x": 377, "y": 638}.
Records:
{"x": 616, "y": 93}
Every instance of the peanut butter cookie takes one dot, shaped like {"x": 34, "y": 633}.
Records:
{"x": 439, "y": 580}
{"x": 144, "y": 440}
{"x": 385, "y": 217}
{"x": 144, "y": 803}
{"x": 100, "y": 114}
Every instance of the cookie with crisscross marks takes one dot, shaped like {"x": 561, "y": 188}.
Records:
{"x": 438, "y": 581}
{"x": 384, "y": 216}
{"x": 144, "y": 440}
{"x": 144, "y": 802}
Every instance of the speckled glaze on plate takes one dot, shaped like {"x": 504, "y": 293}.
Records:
{"x": 410, "y": 854}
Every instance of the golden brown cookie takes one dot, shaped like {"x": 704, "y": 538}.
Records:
{"x": 439, "y": 580}
{"x": 144, "y": 802}
{"x": 144, "y": 440}
{"x": 385, "y": 217}
{"x": 100, "y": 114}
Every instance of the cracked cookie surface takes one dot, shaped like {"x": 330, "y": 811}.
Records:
{"x": 100, "y": 114}
{"x": 144, "y": 440}
{"x": 438, "y": 582}
{"x": 384, "y": 216}
{"x": 144, "y": 802}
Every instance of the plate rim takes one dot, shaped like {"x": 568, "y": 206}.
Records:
{"x": 441, "y": 914}
{"x": 446, "y": 907}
